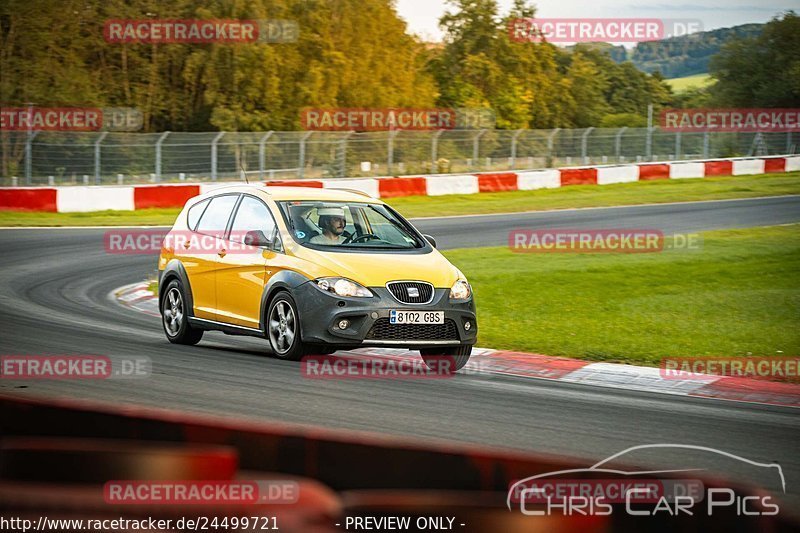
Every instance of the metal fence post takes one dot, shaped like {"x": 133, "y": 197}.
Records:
{"x": 583, "y": 145}
{"x": 705, "y": 145}
{"x": 618, "y": 142}
{"x": 97, "y": 157}
{"x": 476, "y": 146}
{"x": 677, "y": 145}
{"x": 214, "y": 155}
{"x": 302, "y": 157}
{"x": 29, "y": 156}
{"x": 158, "y": 154}
{"x": 262, "y": 154}
{"x": 343, "y": 148}
{"x": 550, "y": 139}
{"x": 788, "y": 142}
{"x": 514, "y": 148}
{"x": 390, "y": 151}
{"x": 435, "y": 148}
{"x": 649, "y": 138}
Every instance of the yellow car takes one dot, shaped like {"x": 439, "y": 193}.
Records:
{"x": 313, "y": 271}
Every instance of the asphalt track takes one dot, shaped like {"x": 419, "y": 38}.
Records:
{"x": 55, "y": 298}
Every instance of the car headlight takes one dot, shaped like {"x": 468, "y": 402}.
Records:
{"x": 343, "y": 287}
{"x": 460, "y": 290}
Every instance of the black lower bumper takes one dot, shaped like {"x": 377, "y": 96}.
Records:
{"x": 368, "y": 320}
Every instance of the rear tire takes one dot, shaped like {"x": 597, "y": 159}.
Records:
{"x": 446, "y": 360}
{"x": 283, "y": 328}
{"x": 175, "y": 317}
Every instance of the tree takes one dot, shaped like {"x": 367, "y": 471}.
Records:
{"x": 763, "y": 71}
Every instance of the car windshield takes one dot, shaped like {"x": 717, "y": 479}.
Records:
{"x": 348, "y": 225}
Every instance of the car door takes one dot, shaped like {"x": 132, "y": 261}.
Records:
{"x": 245, "y": 268}
{"x": 200, "y": 257}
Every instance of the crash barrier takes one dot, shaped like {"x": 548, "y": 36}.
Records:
{"x": 58, "y": 458}
{"x": 100, "y": 198}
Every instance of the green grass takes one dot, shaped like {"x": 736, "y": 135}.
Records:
{"x": 738, "y": 295}
{"x": 502, "y": 202}
{"x": 152, "y": 286}
{"x": 142, "y": 217}
{"x": 697, "y": 81}
{"x": 641, "y": 192}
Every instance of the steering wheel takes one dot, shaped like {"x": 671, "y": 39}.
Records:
{"x": 361, "y": 238}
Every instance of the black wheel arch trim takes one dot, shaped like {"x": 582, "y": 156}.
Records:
{"x": 284, "y": 280}
{"x": 175, "y": 269}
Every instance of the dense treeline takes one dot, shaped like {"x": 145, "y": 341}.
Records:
{"x": 350, "y": 53}
{"x": 689, "y": 54}
{"x": 676, "y": 57}
{"x": 761, "y": 71}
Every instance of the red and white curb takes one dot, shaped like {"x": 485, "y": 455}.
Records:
{"x": 486, "y": 361}
{"x": 139, "y": 297}
{"x": 131, "y": 197}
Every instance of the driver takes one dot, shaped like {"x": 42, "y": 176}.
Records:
{"x": 332, "y": 222}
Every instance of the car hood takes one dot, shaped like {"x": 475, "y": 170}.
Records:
{"x": 375, "y": 270}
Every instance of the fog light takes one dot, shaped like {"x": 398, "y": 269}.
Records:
{"x": 343, "y": 324}
{"x": 467, "y": 326}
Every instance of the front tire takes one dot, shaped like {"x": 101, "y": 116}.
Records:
{"x": 446, "y": 360}
{"x": 175, "y": 318}
{"x": 283, "y": 328}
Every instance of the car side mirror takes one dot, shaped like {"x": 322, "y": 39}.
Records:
{"x": 430, "y": 240}
{"x": 256, "y": 237}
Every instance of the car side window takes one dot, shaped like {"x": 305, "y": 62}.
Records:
{"x": 214, "y": 221}
{"x": 253, "y": 222}
{"x": 194, "y": 214}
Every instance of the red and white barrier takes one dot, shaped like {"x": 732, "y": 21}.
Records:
{"x": 620, "y": 174}
{"x": 82, "y": 199}
{"x": 687, "y": 170}
{"x": 549, "y": 178}
{"x": 451, "y": 184}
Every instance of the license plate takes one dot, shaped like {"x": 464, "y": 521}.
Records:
{"x": 416, "y": 317}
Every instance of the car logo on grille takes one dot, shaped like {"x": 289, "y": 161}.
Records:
{"x": 413, "y": 292}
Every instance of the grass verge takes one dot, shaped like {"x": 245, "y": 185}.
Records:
{"x": 738, "y": 295}
{"x": 141, "y": 217}
{"x": 642, "y": 192}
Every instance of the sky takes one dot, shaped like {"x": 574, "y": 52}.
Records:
{"x": 422, "y": 16}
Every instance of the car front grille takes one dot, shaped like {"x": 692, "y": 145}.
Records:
{"x": 400, "y": 290}
{"x": 383, "y": 330}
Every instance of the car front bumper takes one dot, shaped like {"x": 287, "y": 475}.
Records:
{"x": 368, "y": 320}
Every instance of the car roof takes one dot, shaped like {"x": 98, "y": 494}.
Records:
{"x": 279, "y": 193}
